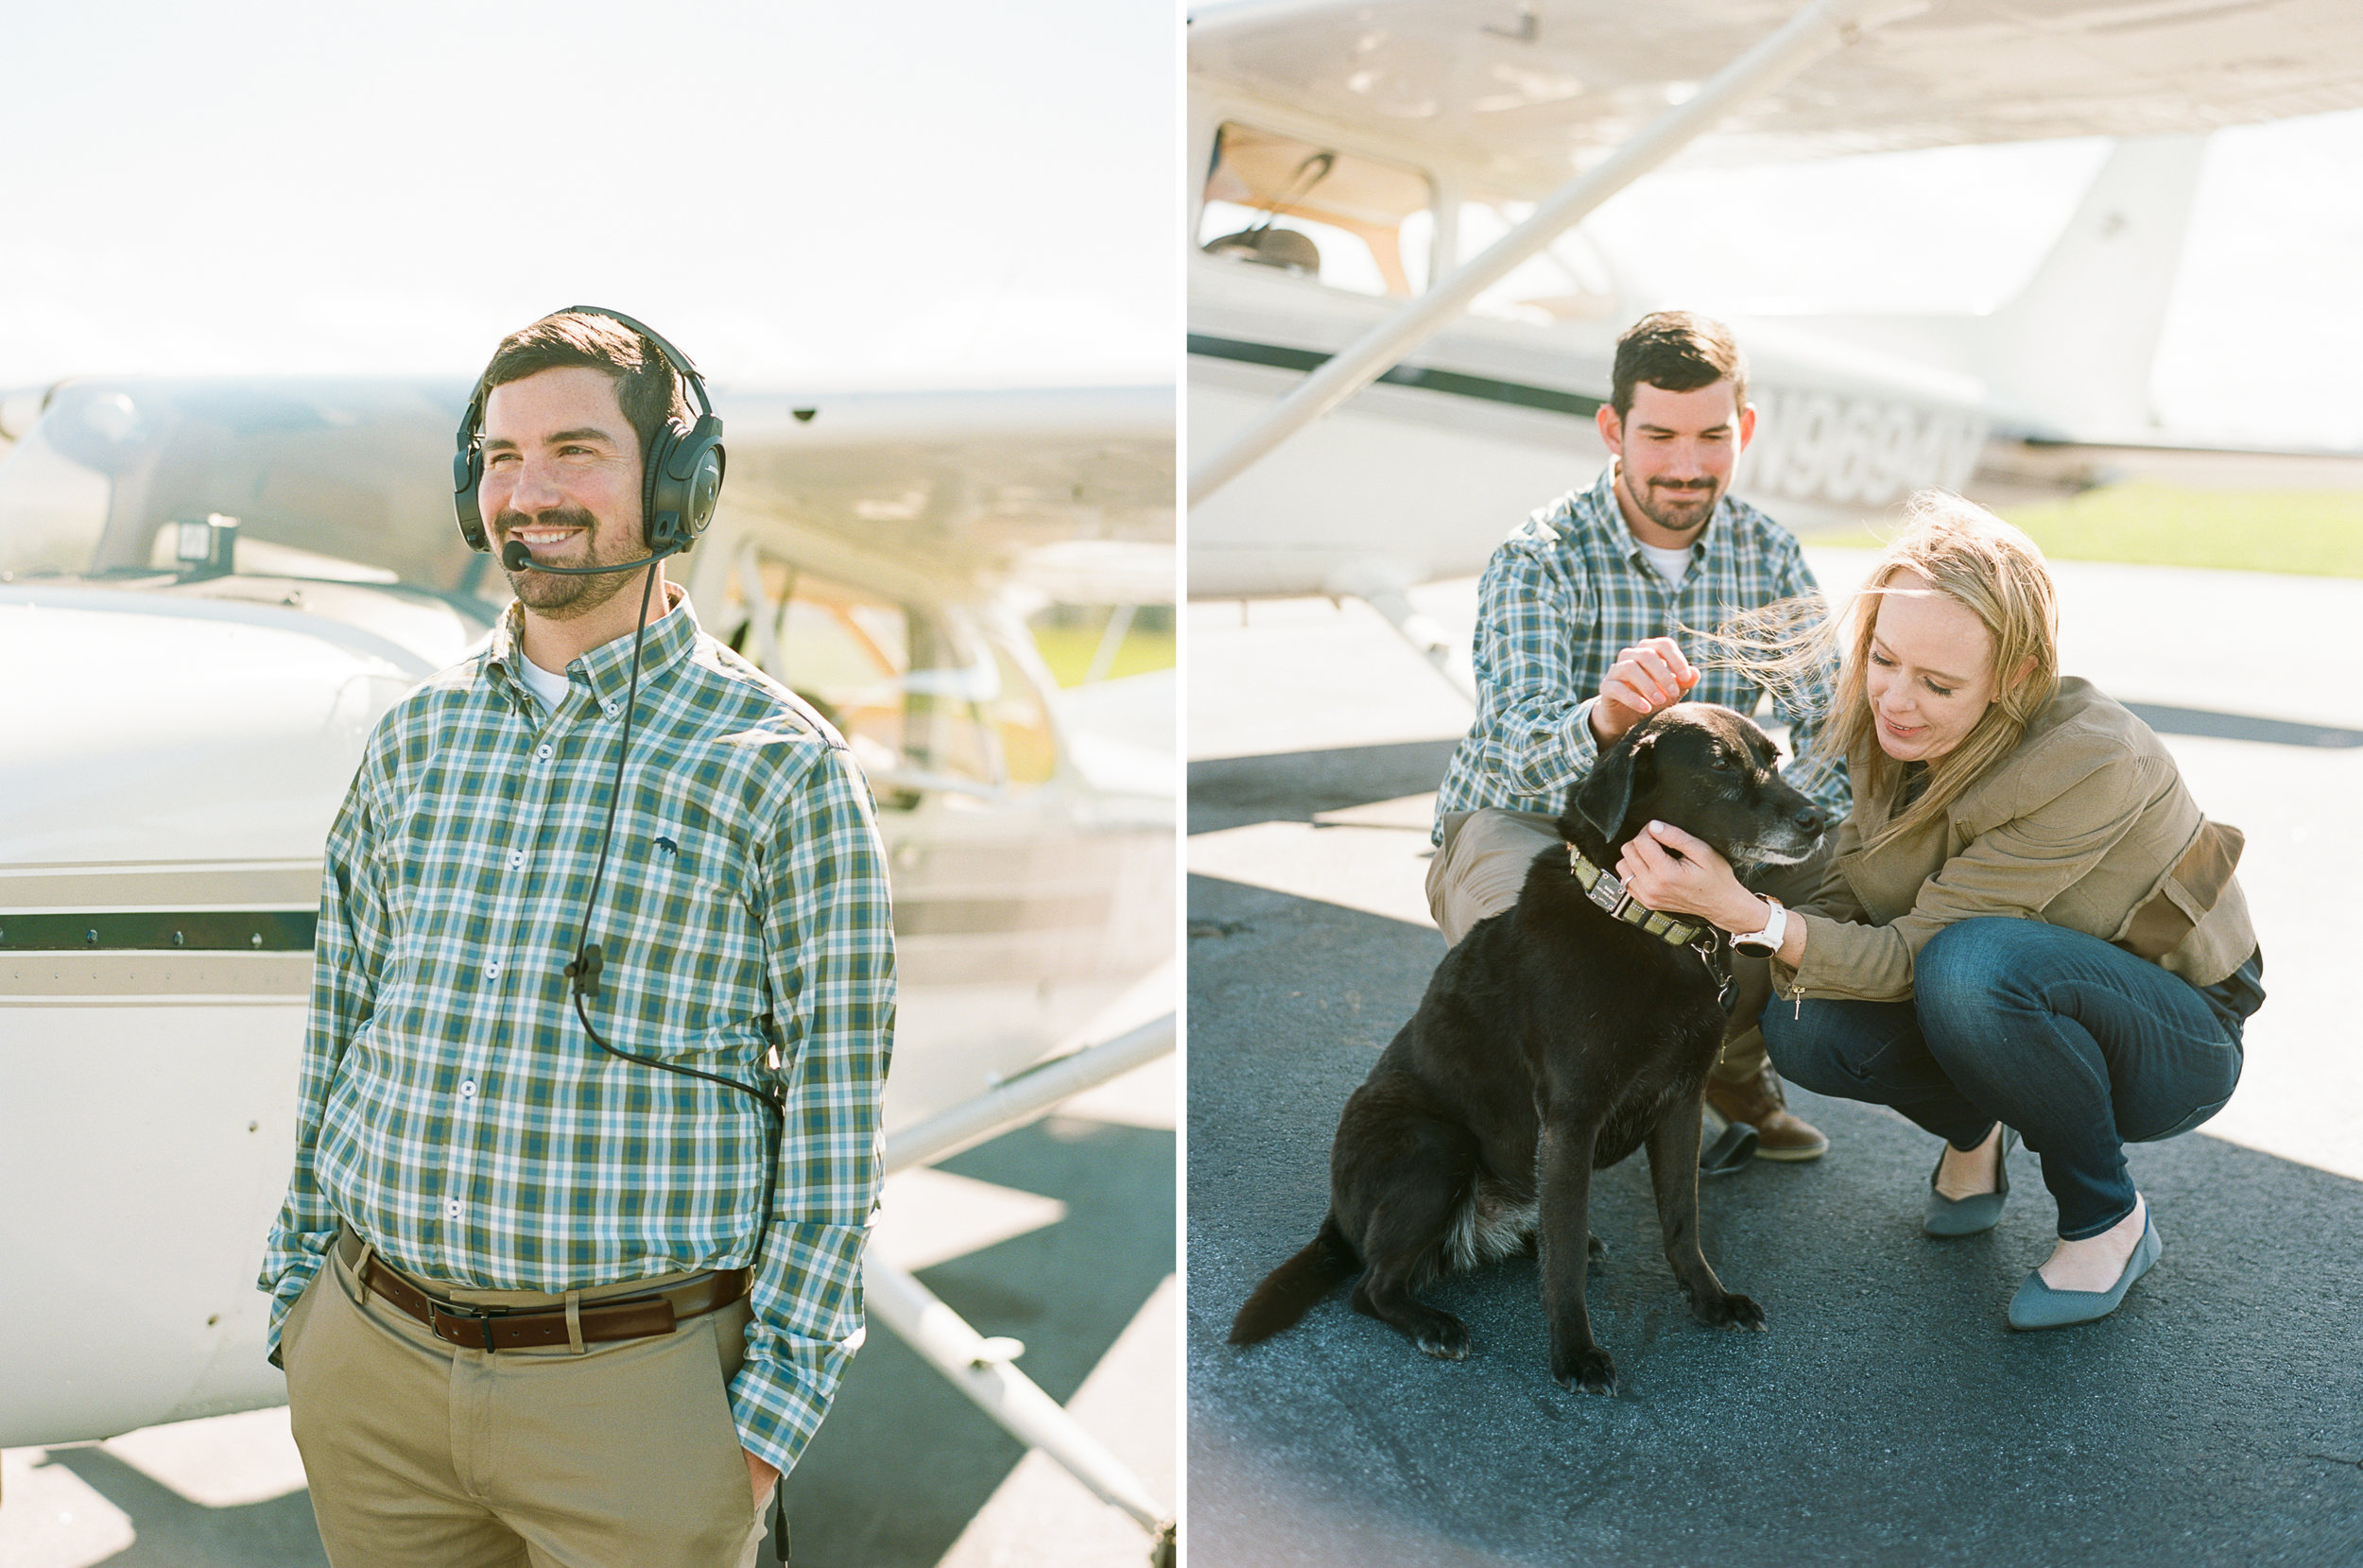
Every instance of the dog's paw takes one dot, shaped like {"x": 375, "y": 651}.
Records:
{"x": 1595, "y": 1249}
{"x": 1446, "y": 1339}
{"x": 1589, "y": 1369}
{"x": 1729, "y": 1310}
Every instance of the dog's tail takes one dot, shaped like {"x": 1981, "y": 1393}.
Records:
{"x": 1290, "y": 1291}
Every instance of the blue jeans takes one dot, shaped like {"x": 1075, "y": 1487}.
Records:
{"x": 2079, "y": 1044}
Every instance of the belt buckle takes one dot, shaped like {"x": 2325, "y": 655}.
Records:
{"x": 1610, "y": 894}
{"x": 463, "y": 1314}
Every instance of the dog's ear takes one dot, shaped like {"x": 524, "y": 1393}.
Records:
{"x": 1602, "y": 800}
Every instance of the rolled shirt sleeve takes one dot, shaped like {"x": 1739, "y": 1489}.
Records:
{"x": 830, "y": 947}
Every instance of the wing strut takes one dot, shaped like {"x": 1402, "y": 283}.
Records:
{"x": 983, "y": 1368}
{"x": 1822, "y": 26}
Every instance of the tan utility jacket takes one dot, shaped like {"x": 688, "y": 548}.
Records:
{"x": 2086, "y": 824}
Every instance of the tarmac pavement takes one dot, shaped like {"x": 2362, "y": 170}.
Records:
{"x": 1888, "y": 1416}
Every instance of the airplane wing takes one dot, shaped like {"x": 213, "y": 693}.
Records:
{"x": 1562, "y": 102}
{"x": 1535, "y": 91}
{"x": 985, "y": 477}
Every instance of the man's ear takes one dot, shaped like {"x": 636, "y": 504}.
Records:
{"x": 1612, "y": 429}
{"x": 1603, "y": 798}
{"x": 1747, "y": 427}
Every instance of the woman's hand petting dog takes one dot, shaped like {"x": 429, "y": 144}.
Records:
{"x": 1671, "y": 872}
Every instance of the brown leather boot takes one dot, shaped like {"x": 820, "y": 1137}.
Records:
{"x": 1779, "y": 1133}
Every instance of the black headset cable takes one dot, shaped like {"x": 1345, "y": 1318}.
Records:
{"x": 582, "y": 973}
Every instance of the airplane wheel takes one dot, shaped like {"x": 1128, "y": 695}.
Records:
{"x": 1163, "y": 1554}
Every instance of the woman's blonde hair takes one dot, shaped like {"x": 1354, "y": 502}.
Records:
{"x": 1996, "y": 572}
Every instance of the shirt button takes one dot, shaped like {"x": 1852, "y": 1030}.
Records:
{"x": 492, "y": 970}
{"x": 614, "y": 707}
{"x": 451, "y": 1208}
{"x": 542, "y": 752}
{"x": 516, "y": 859}
{"x": 467, "y": 1089}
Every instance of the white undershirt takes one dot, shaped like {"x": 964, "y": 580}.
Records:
{"x": 1673, "y": 565}
{"x": 550, "y": 688}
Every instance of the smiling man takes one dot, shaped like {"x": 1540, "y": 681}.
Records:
{"x": 1577, "y": 639}
{"x": 541, "y": 1297}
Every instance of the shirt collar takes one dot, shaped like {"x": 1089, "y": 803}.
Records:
{"x": 607, "y": 667}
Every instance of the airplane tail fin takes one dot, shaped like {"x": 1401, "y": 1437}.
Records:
{"x": 1290, "y": 1290}
{"x": 2072, "y": 353}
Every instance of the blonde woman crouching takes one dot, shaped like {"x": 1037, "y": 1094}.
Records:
{"x": 2030, "y": 930}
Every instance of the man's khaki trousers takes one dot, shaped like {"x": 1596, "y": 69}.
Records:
{"x": 1483, "y": 864}
{"x": 423, "y": 1455}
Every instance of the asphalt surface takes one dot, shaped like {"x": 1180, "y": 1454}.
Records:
{"x": 1888, "y": 1416}
{"x": 904, "y": 1460}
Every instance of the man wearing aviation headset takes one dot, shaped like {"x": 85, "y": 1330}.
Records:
{"x": 602, "y": 999}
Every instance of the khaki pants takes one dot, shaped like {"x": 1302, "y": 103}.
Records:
{"x": 423, "y": 1455}
{"x": 1483, "y": 864}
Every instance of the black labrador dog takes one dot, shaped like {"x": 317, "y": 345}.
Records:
{"x": 1555, "y": 1040}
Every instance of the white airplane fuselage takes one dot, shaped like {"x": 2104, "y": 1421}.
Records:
{"x": 1420, "y": 476}
{"x": 177, "y": 754}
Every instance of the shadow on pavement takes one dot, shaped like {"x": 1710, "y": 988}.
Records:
{"x": 904, "y": 1460}
{"x": 1227, "y": 792}
{"x": 177, "y": 1533}
{"x": 1887, "y": 1417}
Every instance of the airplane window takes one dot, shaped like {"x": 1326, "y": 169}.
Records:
{"x": 1029, "y": 753}
{"x": 1351, "y": 222}
{"x": 315, "y": 481}
{"x": 896, "y": 681}
{"x": 1569, "y": 281}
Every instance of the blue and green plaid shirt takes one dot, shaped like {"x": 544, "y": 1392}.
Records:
{"x": 1568, "y": 589}
{"x": 451, "y": 1107}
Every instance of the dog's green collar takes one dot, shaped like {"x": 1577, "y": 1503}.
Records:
{"x": 1605, "y": 889}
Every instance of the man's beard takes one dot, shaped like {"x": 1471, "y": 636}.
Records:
{"x": 1677, "y": 509}
{"x": 562, "y": 598}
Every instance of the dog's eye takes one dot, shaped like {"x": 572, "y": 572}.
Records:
{"x": 1722, "y": 762}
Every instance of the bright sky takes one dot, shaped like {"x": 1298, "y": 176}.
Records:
{"x": 2264, "y": 338}
{"x": 934, "y": 192}
{"x": 931, "y": 192}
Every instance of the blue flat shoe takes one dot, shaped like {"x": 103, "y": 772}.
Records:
{"x": 1967, "y": 1217}
{"x": 2039, "y": 1307}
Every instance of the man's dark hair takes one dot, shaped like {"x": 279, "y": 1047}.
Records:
{"x": 1679, "y": 350}
{"x": 645, "y": 383}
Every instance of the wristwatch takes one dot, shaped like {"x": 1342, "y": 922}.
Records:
{"x": 1763, "y": 943}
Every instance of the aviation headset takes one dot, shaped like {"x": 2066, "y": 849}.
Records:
{"x": 681, "y": 471}
{"x": 680, "y": 479}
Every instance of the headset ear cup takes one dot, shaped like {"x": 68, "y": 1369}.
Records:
{"x": 705, "y": 489}
{"x": 659, "y": 502}
{"x": 685, "y": 482}
{"x": 467, "y": 474}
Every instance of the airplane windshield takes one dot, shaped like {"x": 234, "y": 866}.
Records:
{"x": 323, "y": 481}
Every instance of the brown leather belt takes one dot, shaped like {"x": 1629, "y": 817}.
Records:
{"x": 528, "y": 1328}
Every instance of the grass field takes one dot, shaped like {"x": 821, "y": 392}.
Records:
{"x": 2305, "y": 533}
{"x": 1068, "y": 647}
